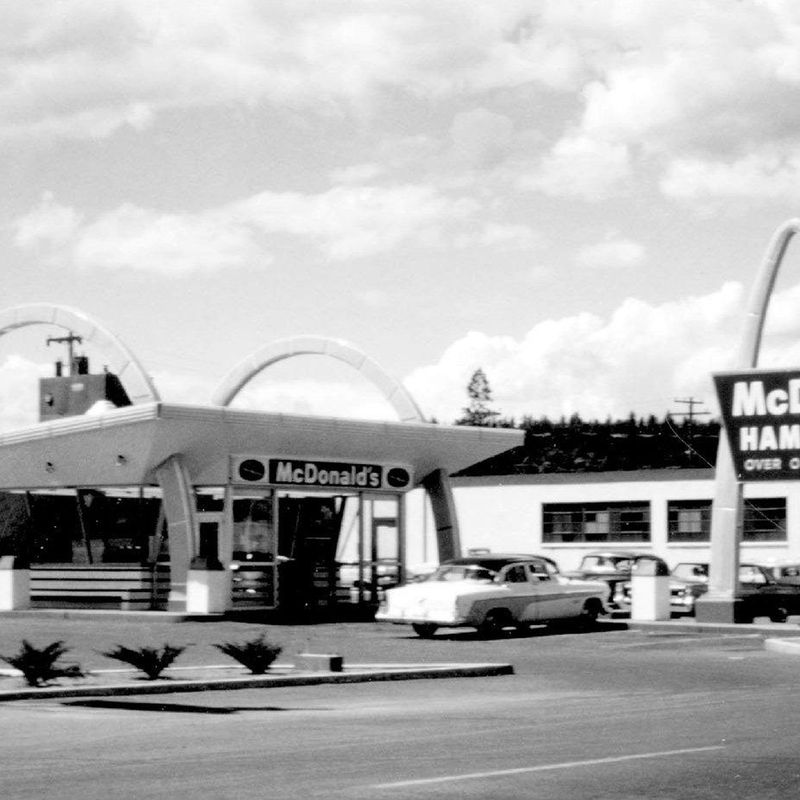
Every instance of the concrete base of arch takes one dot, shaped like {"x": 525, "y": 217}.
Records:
{"x": 179, "y": 510}
{"x": 440, "y": 493}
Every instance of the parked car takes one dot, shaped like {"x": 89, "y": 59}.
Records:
{"x": 785, "y": 573}
{"x": 612, "y": 567}
{"x": 688, "y": 580}
{"x": 492, "y": 592}
{"x": 761, "y": 593}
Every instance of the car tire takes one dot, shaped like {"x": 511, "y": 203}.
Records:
{"x": 494, "y": 622}
{"x": 589, "y": 613}
{"x": 779, "y": 615}
{"x": 424, "y": 630}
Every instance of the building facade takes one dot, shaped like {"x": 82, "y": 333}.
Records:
{"x": 565, "y": 515}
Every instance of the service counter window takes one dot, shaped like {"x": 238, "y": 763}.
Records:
{"x": 595, "y": 522}
{"x": 689, "y": 521}
{"x": 85, "y": 526}
{"x": 764, "y": 520}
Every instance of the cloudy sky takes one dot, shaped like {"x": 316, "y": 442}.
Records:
{"x": 573, "y": 196}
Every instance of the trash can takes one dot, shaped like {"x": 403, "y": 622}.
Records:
{"x": 650, "y": 593}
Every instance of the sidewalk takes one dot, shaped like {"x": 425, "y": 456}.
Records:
{"x": 108, "y": 683}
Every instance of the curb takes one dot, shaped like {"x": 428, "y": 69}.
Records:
{"x": 789, "y": 647}
{"x": 361, "y": 675}
{"x": 691, "y": 626}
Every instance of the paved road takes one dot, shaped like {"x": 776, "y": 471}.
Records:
{"x": 616, "y": 714}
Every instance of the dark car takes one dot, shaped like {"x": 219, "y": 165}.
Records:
{"x": 612, "y": 567}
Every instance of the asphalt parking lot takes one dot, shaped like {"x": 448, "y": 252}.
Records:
{"x": 646, "y": 713}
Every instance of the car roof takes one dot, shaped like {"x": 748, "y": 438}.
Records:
{"x": 495, "y": 560}
{"x": 620, "y": 554}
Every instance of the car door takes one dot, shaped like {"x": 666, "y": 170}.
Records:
{"x": 762, "y": 594}
{"x": 554, "y": 600}
{"x": 519, "y": 592}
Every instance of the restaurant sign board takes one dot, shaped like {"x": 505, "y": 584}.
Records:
{"x": 303, "y": 472}
{"x": 761, "y": 413}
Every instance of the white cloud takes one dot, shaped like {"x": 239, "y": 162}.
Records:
{"x": 118, "y": 64}
{"x": 602, "y": 88}
{"x": 499, "y": 236}
{"x": 756, "y": 177}
{"x": 19, "y": 391}
{"x": 613, "y": 253}
{"x": 579, "y": 166}
{"x": 637, "y": 360}
{"x": 49, "y": 225}
{"x": 343, "y": 223}
{"x": 481, "y": 137}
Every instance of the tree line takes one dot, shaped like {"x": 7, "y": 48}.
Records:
{"x": 578, "y": 445}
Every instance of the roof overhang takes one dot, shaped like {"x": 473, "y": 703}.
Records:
{"x": 125, "y": 446}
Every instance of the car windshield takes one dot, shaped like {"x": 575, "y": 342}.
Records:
{"x": 463, "y": 572}
{"x": 605, "y": 564}
{"x": 691, "y": 572}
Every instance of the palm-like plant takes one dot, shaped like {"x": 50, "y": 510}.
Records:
{"x": 150, "y": 660}
{"x": 256, "y": 654}
{"x": 39, "y": 665}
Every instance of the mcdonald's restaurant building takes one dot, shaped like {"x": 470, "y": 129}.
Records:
{"x": 117, "y": 499}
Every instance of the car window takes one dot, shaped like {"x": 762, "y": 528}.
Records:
{"x": 463, "y": 572}
{"x": 791, "y": 572}
{"x": 605, "y": 564}
{"x": 691, "y": 572}
{"x": 516, "y": 574}
{"x": 540, "y": 571}
{"x": 748, "y": 574}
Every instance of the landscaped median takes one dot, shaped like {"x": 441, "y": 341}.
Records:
{"x": 105, "y": 683}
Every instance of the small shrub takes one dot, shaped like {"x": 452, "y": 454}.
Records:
{"x": 39, "y": 666}
{"x": 256, "y": 655}
{"x": 149, "y": 660}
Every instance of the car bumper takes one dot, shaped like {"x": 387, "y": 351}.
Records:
{"x": 418, "y": 616}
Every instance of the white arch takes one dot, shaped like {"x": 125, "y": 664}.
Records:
{"x": 402, "y": 402}
{"x": 122, "y": 362}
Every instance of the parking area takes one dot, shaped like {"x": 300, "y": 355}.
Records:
{"x": 613, "y": 713}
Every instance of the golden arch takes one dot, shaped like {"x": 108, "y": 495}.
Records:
{"x": 122, "y": 362}
{"x": 727, "y": 507}
{"x": 402, "y": 402}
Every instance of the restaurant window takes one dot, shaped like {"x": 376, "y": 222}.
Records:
{"x": 764, "y": 520}
{"x": 689, "y": 521}
{"x": 595, "y": 522}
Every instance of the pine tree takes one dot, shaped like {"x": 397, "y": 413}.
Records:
{"x": 478, "y": 412}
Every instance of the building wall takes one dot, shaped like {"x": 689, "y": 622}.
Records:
{"x": 505, "y": 513}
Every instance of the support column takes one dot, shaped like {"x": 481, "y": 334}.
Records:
{"x": 179, "y": 507}
{"x": 440, "y": 492}
{"x": 720, "y": 603}
{"x": 15, "y": 584}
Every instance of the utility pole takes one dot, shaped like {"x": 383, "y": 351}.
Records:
{"x": 691, "y": 413}
{"x": 70, "y": 340}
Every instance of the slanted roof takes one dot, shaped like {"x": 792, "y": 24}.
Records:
{"x": 85, "y": 450}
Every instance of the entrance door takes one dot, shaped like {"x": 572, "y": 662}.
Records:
{"x": 209, "y": 526}
{"x": 254, "y": 550}
{"x": 309, "y": 533}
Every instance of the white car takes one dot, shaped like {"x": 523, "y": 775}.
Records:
{"x": 492, "y": 592}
